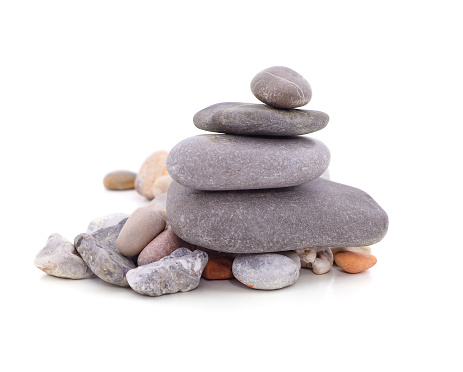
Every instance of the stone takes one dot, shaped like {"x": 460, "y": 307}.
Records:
{"x": 100, "y": 253}
{"x": 105, "y": 221}
{"x": 60, "y": 258}
{"x": 265, "y": 271}
{"x": 219, "y": 265}
{"x": 120, "y": 180}
{"x": 178, "y": 272}
{"x": 320, "y": 260}
{"x": 158, "y": 204}
{"x": 161, "y": 246}
{"x": 354, "y": 262}
{"x": 351, "y": 249}
{"x": 281, "y": 87}
{"x": 320, "y": 213}
{"x": 225, "y": 162}
{"x": 326, "y": 175}
{"x": 252, "y": 119}
{"x": 143, "y": 225}
{"x": 161, "y": 185}
{"x": 294, "y": 256}
{"x": 152, "y": 168}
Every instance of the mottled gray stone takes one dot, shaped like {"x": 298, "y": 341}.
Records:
{"x": 257, "y": 119}
{"x": 320, "y": 213}
{"x": 265, "y": 271}
{"x": 105, "y": 221}
{"x": 294, "y": 256}
{"x": 99, "y": 252}
{"x": 179, "y": 272}
{"x": 226, "y": 162}
{"x": 281, "y": 87}
{"x": 59, "y": 258}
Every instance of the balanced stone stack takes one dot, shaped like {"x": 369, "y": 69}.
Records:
{"x": 256, "y": 190}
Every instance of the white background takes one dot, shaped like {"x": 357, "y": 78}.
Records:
{"x": 87, "y": 87}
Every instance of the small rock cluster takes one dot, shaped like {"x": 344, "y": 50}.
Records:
{"x": 253, "y": 203}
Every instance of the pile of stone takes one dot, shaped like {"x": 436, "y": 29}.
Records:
{"x": 254, "y": 203}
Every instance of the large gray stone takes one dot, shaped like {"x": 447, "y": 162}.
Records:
{"x": 320, "y": 213}
{"x": 179, "y": 272}
{"x": 226, "y": 162}
{"x": 99, "y": 252}
{"x": 257, "y": 119}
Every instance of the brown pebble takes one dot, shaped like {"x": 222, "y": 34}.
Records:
{"x": 219, "y": 265}
{"x": 354, "y": 262}
{"x": 120, "y": 180}
{"x": 152, "y": 168}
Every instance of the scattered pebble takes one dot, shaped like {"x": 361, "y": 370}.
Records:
{"x": 265, "y": 271}
{"x": 161, "y": 185}
{"x": 120, "y": 180}
{"x": 99, "y": 252}
{"x": 105, "y": 221}
{"x": 143, "y": 225}
{"x": 152, "y": 168}
{"x": 161, "y": 246}
{"x": 281, "y": 87}
{"x": 179, "y": 272}
{"x": 60, "y": 258}
{"x": 320, "y": 260}
{"x": 354, "y": 262}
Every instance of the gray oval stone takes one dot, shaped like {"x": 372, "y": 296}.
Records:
{"x": 281, "y": 87}
{"x": 257, "y": 119}
{"x": 320, "y": 213}
{"x": 265, "y": 271}
{"x": 226, "y": 162}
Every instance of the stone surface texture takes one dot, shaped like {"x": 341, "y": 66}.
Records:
{"x": 99, "y": 252}
{"x": 152, "y": 168}
{"x": 320, "y": 213}
{"x": 105, "y": 221}
{"x": 158, "y": 204}
{"x": 161, "y": 246}
{"x": 143, "y": 225}
{"x": 256, "y": 119}
{"x": 60, "y": 258}
{"x": 178, "y": 272}
{"x": 354, "y": 262}
{"x": 226, "y": 162}
{"x": 281, "y": 87}
{"x": 120, "y": 180}
{"x": 320, "y": 260}
{"x": 265, "y": 271}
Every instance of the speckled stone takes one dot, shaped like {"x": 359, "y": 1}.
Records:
{"x": 326, "y": 175}
{"x": 294, "y": 256}
{"x": 226, "y": 162}
{"x": 99, "y": 252}
{"x": 120, "y": 180}
{"x": 158, "y": 204}
{"x": 105, "y": 221}
{"x": 59, "y": 258}
{"x": 161, "y": 246}
{"x": 320, "y": 213}
{"x": 281, "y": 87}
{"x": 257, "y": 119}
{"x": 265, "y": 271}
{"x": 152, "y": 168}
{"x": 143, "y": 225}
{"x": 179, "y": 272}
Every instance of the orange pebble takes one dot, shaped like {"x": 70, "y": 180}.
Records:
{"x": 218, "y": 267}
{"x": 354, "y": 262}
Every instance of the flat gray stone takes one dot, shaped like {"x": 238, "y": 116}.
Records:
{"x": 320, "y": 213}
{"x": 265, "y": 271}
{"x": 281, "y": 87}
{"x": 179, "y": 272}
{"x": 257, "y": 119}
{"x": 226, "y": 162}
{"x": 60, "y": 258}
{"x": 99, "y": 252}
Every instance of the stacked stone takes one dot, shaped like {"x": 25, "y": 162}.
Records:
{"x": 255, "y": 189}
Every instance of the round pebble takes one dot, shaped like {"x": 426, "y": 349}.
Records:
{"x": 161, "y": 185}
{"x": 119, "y": 180}
{"x": 281, "y": 87}
{"x": 152, "y": 168}
{"x": 354, "y": 262}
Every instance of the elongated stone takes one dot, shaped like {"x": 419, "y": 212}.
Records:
{"x": 320, "y": 213}
{"x": 226, "y": 162}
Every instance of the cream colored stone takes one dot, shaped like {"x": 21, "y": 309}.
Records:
{"x": 158, "y": 204}
{"x": 351, "y": 249}
{"x": 320, "y": 260}
{"x": 161, "y": 185}
{"x": 152, "y": 168}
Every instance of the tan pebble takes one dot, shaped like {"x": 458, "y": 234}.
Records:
{"x": 354, "y": 262}
{"x": 158, "y": 204}
{"x": 143, "y": 225}
{"x": 152, "y": 168}
{"x": 352, "y": 249}
{"x": 161, "y": 185}
{"x": 161, "y": 246}
{"x": 120, "y": 180}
